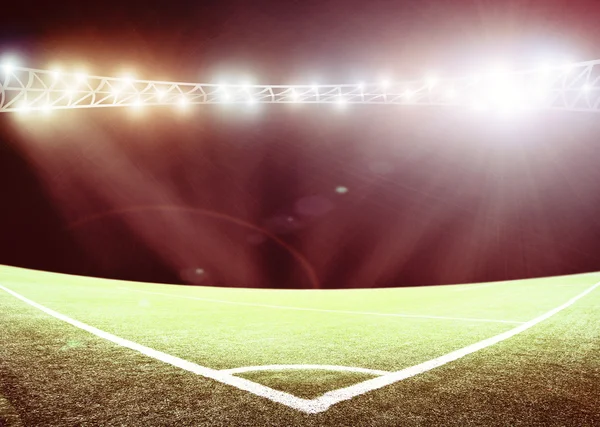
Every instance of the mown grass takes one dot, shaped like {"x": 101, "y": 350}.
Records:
{"x": 52, "y": 373}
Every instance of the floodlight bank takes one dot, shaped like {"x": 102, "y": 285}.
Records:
{"x": 571, "y": 87}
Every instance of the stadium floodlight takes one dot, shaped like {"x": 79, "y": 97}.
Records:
{"x": 56, "y": 73}
{"x": 128, "y": 79}
{"x": 8, "y": 66}
{"x": 160, "y": 93}
{"x": 544, "y": 68}
{"x": 568, "y": 66}
{"x": 24, "y": 108}
{"x": 138, "y": 103}
{"x": 183, "y": 103}
{"x": 451, "y": 93}
{"x": 47, "y": 108}
{"x": 431, "y": 81}
{"x": 295, "y": 95}
{"x": 479, "y": 106}
{"x": 80, "y": 77}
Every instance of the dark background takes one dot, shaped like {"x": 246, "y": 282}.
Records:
{"x": 248, "y": 198}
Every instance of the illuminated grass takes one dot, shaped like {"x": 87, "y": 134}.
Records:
{"x": 55, "y": 374}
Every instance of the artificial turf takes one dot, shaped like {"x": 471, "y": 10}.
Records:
{"x": 52, "y": 373}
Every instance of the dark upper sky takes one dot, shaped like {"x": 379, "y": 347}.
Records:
{"x": 240, "y": 198}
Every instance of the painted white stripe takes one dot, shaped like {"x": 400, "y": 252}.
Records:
{"x": 304, "y": 368}
{"x": 324, "y": 402}
{"x": 323, "y": 310}
{"x": 292, "y": 401}
{"x": 336, "y": 396}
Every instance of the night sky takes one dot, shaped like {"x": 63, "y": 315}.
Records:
{"x": 305, "y": 196}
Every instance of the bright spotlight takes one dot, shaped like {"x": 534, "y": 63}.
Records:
{"x": 341, "y": 102}
{"x": 360, "y": 85}
{"x": 408, "y": 94}
{"x": 160, "y": 93}
{"x": 385, "y": 83}
{"x": 115, "y": 90}
{"x": 479, "y": 106}
{"x": 586, "y": 88}
{"x": 8, "y": 66}
{"x": 80, "y": 77}
{"x": 431, "y": 81}
{"x": 251, "y": 101}
{"x": 138, "y": 103}
{"x": 568, "y": 66}
{"x": 315, "y": 87}
{"x": 183, "y": 102}
{"x": 46, "y": 109}
{"x": 24, "y": 108}
{"x": 127, "y": 79}
{"x": 295, "y": 95}
{"x": 544, "y": 68}
{"x": 56, "y": 73}
{"x": 451, "y": 93}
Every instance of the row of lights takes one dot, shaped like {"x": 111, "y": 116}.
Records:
{"x": 430, "y": 81}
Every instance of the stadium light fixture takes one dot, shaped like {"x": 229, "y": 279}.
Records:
{"x": 183, "y": 103}
{"x": 544, "y": 68}
{"x": 46, "y": 109}
{"x": 295, "y": 95}
{"x": 568, "y": 67}
{"x": 128, "y": 79}
{"x": 80, "y": 77}
{"x": 8, "y": 66}
{"x": 24, "y": 108}
{"x": 451, "y": 93}
{"x": 431, "y": 81}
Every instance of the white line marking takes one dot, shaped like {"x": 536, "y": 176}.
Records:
{"x": 292, "y": 401}
{"x": 322, "y": 310}
{"x": 346, "y": 393}
{"x": 324, "y": 402}
{"x": 304, "y": 367}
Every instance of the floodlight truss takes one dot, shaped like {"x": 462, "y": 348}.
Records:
{"x": 572, "y": 87}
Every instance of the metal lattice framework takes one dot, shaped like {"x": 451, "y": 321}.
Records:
{"x": 573, "y": 87}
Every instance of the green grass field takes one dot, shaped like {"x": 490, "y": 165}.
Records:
{"x": 80, "y": 352}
